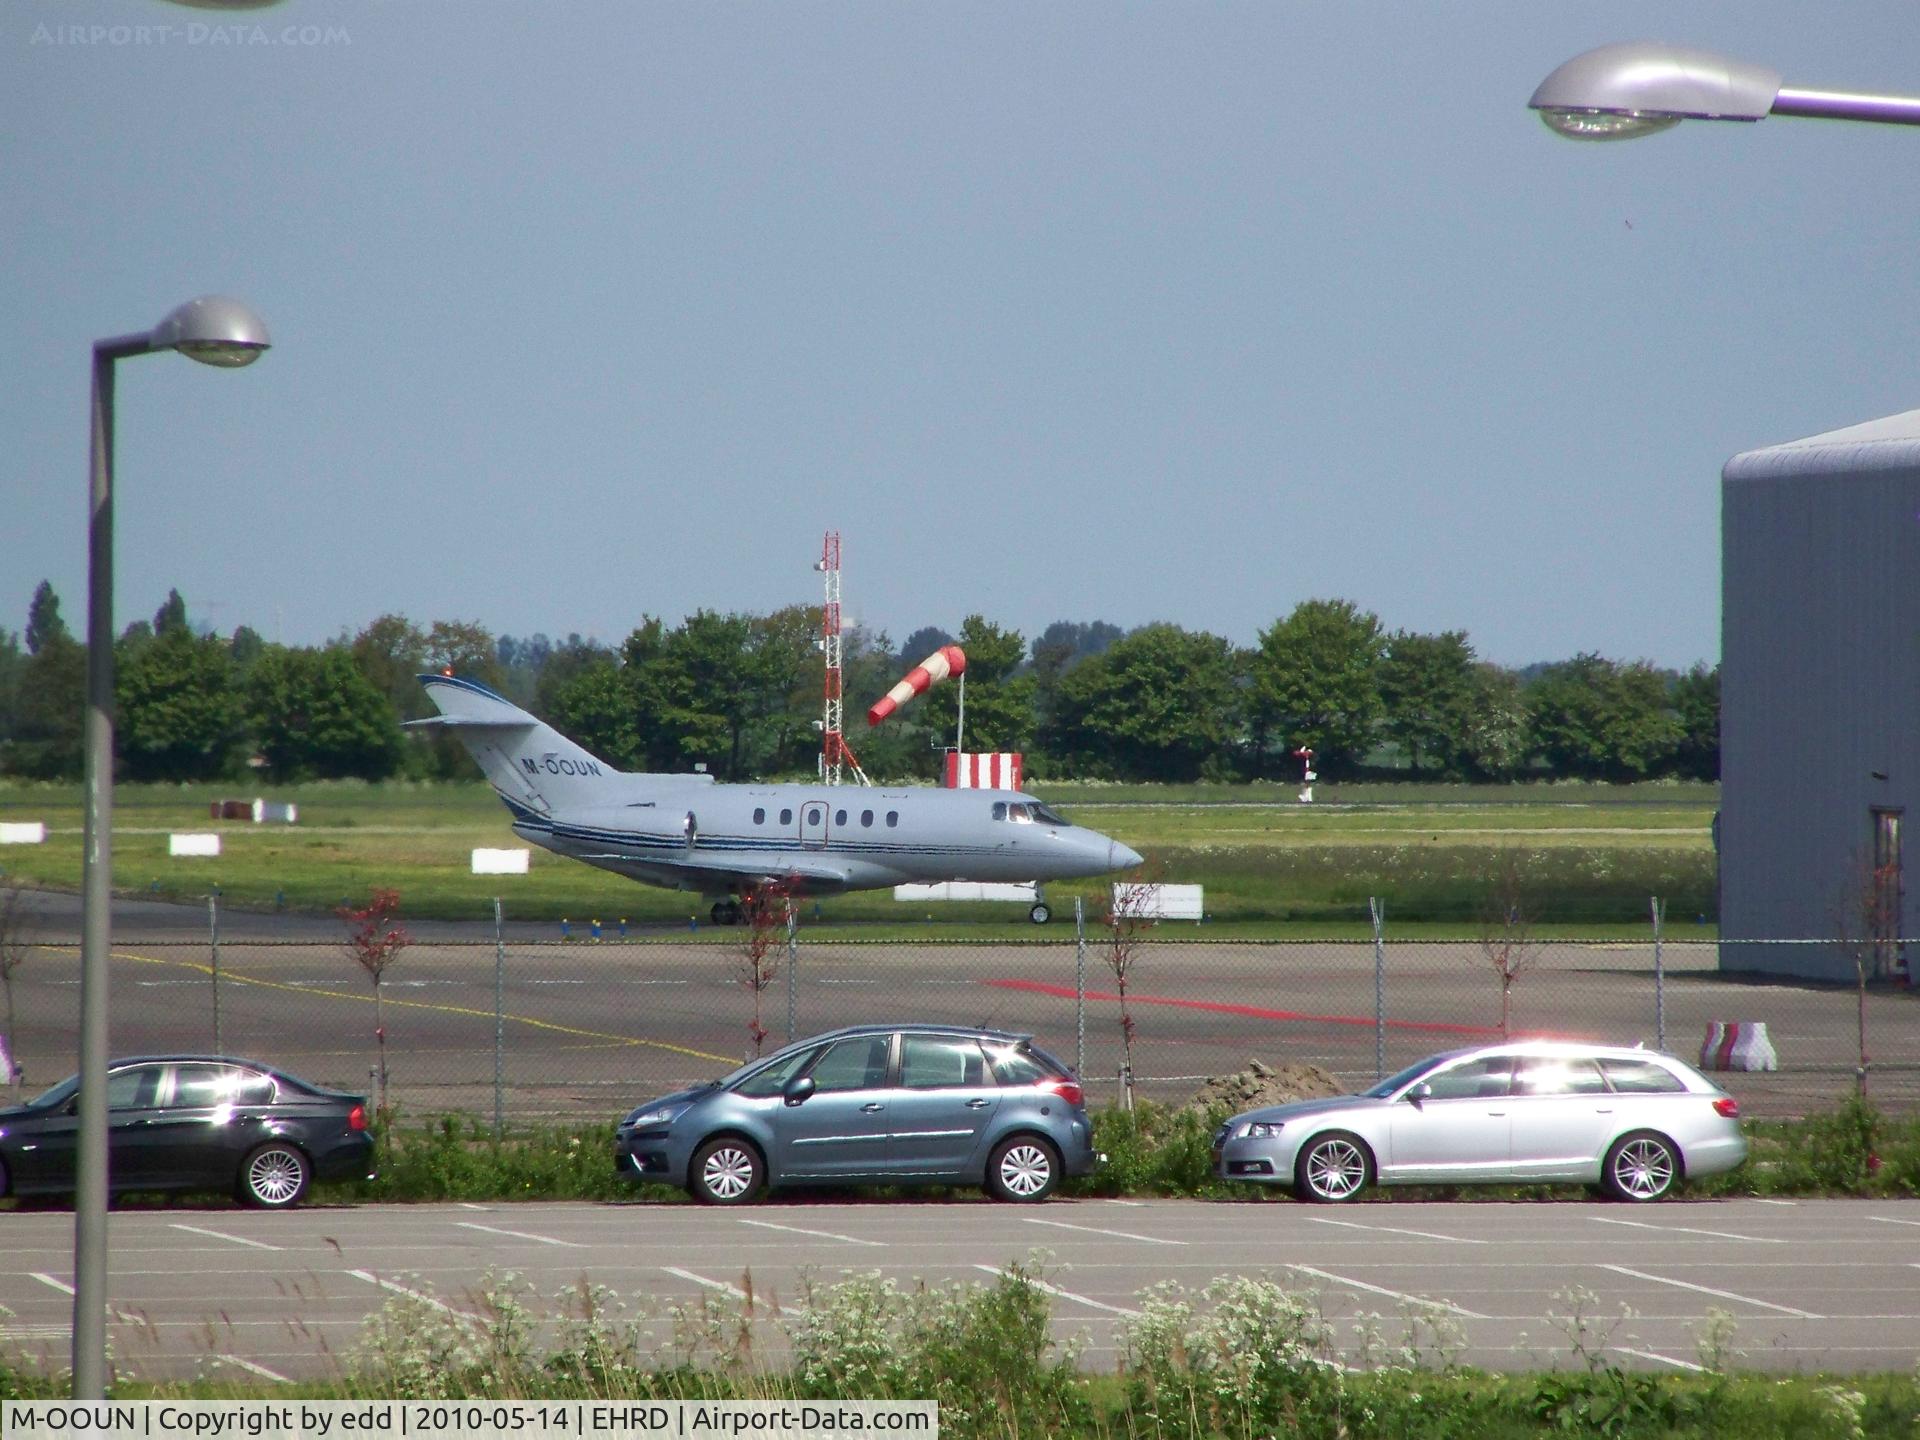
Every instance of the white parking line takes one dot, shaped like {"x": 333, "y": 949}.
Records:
{"x": 1709, "y": 1290}
{"x": 274, "y": 1375}
{"x": 724, "y": 1288}
{"x": 1889, "y": 1220}
{"x": 1663, "y": 1359}
{"x": 1391, "y": 1294}
{"x": 518, "y": 1235}
{"x": 420, "y": 1295}
{"x": 1055, "y": 1290}
{"x": 65, "y": 1289}
{"x": 222, "y": 1235}
{"x": 1095, "y": 1230}
{"x": 1393, "y": 1230}
{"x": 1763, "y": 1200}
{"x": 1687, "y": 1230}
{"x": 819, "y": 1234}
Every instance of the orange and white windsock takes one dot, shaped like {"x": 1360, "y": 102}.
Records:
{"x": 947, "y": 660}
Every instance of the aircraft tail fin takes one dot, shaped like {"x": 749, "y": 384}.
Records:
{"x": 529, "y": 762}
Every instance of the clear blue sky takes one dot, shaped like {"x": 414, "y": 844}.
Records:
{"x": 1126, "y": 312}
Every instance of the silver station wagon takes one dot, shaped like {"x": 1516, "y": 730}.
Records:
{"x": 1636, "y": 1122}
{"x": 885, "y": 1104}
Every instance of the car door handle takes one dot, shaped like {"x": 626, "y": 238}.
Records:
{"x": 872, "y": 1107}
{"x": 978, "y": 1104}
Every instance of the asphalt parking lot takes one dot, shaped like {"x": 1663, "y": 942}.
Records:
{"x": 1811, "y": 1285}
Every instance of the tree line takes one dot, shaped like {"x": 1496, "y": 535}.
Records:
{"x": 741, "y": 694}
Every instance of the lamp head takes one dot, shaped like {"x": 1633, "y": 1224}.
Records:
{"x": 214, "y": 330}
{"x": 1620, "y": 92}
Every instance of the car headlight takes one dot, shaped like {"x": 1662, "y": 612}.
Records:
{"x": 659, "y": 1115}
{"x": 1260, "y": 1130}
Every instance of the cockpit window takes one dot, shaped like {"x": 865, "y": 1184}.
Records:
{"x": 1046, "y": 816}
{"x": 1018, "y": 814}
{"x": 999, "y": 809}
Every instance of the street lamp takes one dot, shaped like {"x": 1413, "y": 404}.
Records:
{"x": 1620, "y": 92}
{"x": 215, "y": 331}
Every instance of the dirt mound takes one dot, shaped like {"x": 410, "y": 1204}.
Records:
{"x": 1261, "y": 1084}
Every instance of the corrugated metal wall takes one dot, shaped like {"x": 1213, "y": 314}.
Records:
{"x": 1820, "y": 692}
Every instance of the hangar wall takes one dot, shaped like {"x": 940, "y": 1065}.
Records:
{"x": 1820, "y": 688}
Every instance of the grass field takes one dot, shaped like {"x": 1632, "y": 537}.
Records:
{"x": 1589, "y": 856}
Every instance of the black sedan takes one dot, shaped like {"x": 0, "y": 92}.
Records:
{"x": 193, "y": 1122}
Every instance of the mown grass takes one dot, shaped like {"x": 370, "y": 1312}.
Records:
{"x": 1590, "y": 855}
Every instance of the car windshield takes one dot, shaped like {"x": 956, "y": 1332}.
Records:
{"x": 59, "y": 1093}
{"x": 1406, "y": 1077}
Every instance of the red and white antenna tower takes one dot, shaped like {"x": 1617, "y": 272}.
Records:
{"x": 835, "y": 756}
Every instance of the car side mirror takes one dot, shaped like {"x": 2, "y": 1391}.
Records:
{"x": 797, "y": 1089}
{"x": 1421, "y": 1092}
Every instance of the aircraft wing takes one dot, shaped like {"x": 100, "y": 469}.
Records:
{"x": 718, "y": 872}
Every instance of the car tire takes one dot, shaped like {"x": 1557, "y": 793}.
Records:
{"x": 1641, "y": 1167}
{"x": 726, "y": 1171}
{"x": 1332, "y": 1168}
{"x": 274, "y": 1176}
{"x": 6, "y": 1180}
{"x": 1023, "y": 1170}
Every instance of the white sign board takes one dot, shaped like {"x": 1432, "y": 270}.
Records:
{"x": 1162, "y": 902}
{"x": 273, "y": 810}
{"x": 29, "y": 832}
{"x": 500, "y": 862}
{"x": 968, "y": 890}
{"x": 178, "y": 844}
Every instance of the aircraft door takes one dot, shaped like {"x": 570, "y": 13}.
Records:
{"x": 813, "y": 824}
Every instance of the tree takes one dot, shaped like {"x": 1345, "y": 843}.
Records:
{"x": 595, "y": 708}
{"x": 1595, "y": 719}
{"x": 375, "y": 938}
{"x": 1161, "y": 704}
{"x": 1696, "y": 706}
{"x": 767, "y": 909}
{"x": 171, "y": 616}
{"x": 16, "y": 943}
{"x": 1427, "y": 695}
{"x": 392, "y": 653}
{"x": 920, "y": 644}
{"x": 1128, "y": 916}
{"x": 1506, "y": 932}
{"x": 1497, "y": 742}
{"x": 1315, "y": 682}
{"x": 314, "y": 715}
{"x": 44, "y": 625}
{"x": 49, "y": 725}
{"x": 180, "y": 712}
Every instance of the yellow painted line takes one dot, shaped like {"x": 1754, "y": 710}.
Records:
{"x": 311, "y": 994}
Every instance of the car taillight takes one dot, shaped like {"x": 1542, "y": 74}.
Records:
{"x": 1067, "y": 1090}
{"x": 1728, "y": 1106}
{"x": 357, "y": 1118}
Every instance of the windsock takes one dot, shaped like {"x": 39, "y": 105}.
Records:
{"x": 947, "y": 660}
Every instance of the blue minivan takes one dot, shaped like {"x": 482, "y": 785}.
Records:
{"x": 870, "y": 1104}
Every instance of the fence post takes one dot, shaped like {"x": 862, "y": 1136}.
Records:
{"x": 213, "y": 932}
{"x": 793, "y": 959}
{"x": 1079, "y": 986}
{"x": 1378, "y": 912}
{"x": 499, "y": 1018}
{"x": 1659, "y": 978}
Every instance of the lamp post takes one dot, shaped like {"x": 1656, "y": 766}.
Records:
{"x": 1621, "y": 92}
{"x": 215, "y": 331}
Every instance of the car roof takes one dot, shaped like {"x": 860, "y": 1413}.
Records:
{"x": 1588, "y": 1048}
{"x": 1012, "y": 1037}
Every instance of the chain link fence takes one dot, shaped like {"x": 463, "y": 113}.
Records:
{"x": 512, "y": 1029}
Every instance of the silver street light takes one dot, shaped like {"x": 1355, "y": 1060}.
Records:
{"x": 215, "y": 331}
{"x": 1621, "y": 92}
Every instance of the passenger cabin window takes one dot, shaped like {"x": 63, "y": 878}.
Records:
{"x": 1477, "y": 1079}
{"x": 759, "y": 815}
{"x": 866, "y": 818}
{"x": 940, "y": 1062}
{"x": 855, "y": 1064}
{"x": 893, "y": 819}
{"x": 1544, "y": 1075}
{"x": 786, "y": 817}
{"x": 1641, "y": 1077}
{"x": 839, "y": 817}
